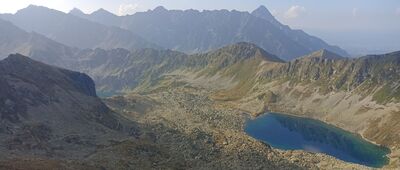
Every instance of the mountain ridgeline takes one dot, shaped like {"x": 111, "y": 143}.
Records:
{"x": 176, "y": 79}
{"x": 189, "y": 31}
{"x": 74, "y": 31}
{"x": 357, "y": 94}
{"x": 332, "y": 72}
{"x": 193, "y": 31}
{"x": 121, "y": 70}
{"x": 374, "y": 74}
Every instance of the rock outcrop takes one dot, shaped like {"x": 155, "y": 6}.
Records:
{"x": 49, "y": 111}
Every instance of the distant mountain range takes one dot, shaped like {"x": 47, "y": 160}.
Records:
{"x": 193, "y": 31}
{"x": 74, "y": 31}
{"x": 189, "y": 31}
{"x": 121, "y": 70}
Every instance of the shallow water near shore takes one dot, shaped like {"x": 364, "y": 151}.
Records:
{"x": 297, "y": 133}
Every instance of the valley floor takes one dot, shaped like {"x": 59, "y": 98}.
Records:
{"x": 197, "y": 132}
{"x": 184, "y": 127}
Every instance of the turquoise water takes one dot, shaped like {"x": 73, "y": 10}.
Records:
{"x": 296, "y": 133}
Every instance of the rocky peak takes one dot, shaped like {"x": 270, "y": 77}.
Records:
{"x": 17, "y": 60}
{"x": 102, "y": 12}
{"x": 263, "y": 12}
{"x": 42, "y": 105}
{"x": 245, "y": 50}
{"x": 76, "y": 12}
{"x": 47, "y": 76}
{"x": 325, "y": 54}
{"x": 33, "y": 8}
{"x": 39, "y": 12}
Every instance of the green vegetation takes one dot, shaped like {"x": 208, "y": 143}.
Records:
{"x": 386, "y": 93}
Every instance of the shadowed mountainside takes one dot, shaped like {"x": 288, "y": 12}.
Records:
{"x": 48, "y": 111}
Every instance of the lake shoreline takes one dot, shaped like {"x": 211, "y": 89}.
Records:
{"x": 253, "y": 116}
{"x": 356, "y": 136}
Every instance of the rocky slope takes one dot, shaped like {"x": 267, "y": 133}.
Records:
{"x": 120, "y": 70}
{"x": 194, "y": 31}
{"x": 212, "y": 91}
{"x": 52, "y": 119}
{"x": 201, "y": 133}
{"x": 359, "y": 95}
{"x": 51, "y": 112}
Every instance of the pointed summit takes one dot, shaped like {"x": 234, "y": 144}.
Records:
{"x": 262, "y": 12}
{"x": 102, "y": 12}
{"x": 245, "y": 50}
{"x": 17, "y": 58}
{"x": 38, "y": 11}
{"x": 32, "y": 8}
{"x": 28, "y": 68}
{"x": 76, "y": 12}
{"x": 324, "y": 54}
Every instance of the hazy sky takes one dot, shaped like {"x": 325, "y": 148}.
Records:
{"x": 343, "y": 22}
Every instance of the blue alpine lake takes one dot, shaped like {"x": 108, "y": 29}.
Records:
{"x": 297, "y": 133}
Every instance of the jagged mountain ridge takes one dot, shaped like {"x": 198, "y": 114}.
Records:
{"x": 120, "y": 70}
{"x": 330, "y": 72}
{"x": 193, "y": 31}
{"x": 96, "y": 62}
{"x": 74, "y": 31}
{"x": 323, "y": 54}
{"x": 345, "y": 73}
{"x": 327, "y": 69}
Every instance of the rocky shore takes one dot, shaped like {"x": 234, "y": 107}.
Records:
{"x": 207, "y": 134}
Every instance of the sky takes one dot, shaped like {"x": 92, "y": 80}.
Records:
{"x": 356, "y": 25}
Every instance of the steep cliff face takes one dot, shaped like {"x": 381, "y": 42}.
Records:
{"x": 43, "y": 108}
